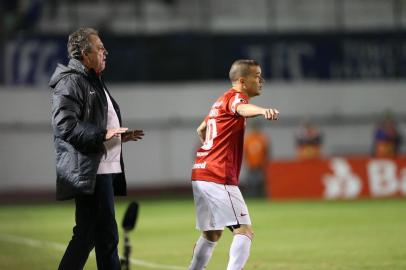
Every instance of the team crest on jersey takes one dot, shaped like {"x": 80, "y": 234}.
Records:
{"x": 236, "y": 101}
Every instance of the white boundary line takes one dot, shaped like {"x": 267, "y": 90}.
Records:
{"x": 57, "y": 246}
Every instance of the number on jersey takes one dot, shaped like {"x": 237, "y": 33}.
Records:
{"x": 211, "y": 133}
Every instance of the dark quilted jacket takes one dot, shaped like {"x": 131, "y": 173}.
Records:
{"x": 79, "y": 120}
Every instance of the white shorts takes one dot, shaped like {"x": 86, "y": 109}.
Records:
{"x": 218, "y": 206}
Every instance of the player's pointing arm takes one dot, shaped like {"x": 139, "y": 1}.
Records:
{"x": 251, "y": 110}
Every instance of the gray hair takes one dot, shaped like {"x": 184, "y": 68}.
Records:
{"x": 79, "y": 41}
{"x": 240, "y": 68}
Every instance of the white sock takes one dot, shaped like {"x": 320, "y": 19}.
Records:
{"x": 239, "y": 252}
{"x": 202, "y": 253}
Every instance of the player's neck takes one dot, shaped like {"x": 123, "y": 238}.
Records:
{"x": 240, "y": 88}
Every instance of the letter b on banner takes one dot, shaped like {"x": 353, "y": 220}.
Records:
{"x": 382, "y": 178}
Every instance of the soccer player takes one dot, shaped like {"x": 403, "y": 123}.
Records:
{"x": 218, "y": 200}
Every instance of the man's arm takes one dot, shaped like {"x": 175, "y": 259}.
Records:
{"x": 67, "y": 106}
{"x": 251, "y": 110}
{"x": 201, "y": 131}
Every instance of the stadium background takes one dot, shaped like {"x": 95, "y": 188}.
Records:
{"x": 340, "y": 63}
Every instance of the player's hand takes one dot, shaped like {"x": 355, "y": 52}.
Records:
{"x": 114, "y": 132}
{"x": 132, "y": 135}
{"x": 271, "y": 114}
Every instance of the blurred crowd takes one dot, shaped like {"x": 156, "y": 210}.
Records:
{"x": 387, "y": 137}
{"x": 308, "y": 139}
{"x": 20, "y": 15}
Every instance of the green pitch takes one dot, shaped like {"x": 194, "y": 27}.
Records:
{"x": 367, "y": 234}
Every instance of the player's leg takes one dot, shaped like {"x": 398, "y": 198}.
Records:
{"x": 240, "y": 247}
{"x": 243, "y": 233}
{"x": 203, "y": 249}
{"x": 206, "y": 243}
{"x": 212, "y": 236}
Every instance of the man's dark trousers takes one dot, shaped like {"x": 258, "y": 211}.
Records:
{"x": 95, "y": 227}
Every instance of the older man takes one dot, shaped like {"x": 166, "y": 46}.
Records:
{"x": 88, "y": 137}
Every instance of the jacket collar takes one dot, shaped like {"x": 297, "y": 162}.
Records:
{"x": 78, "y": 66}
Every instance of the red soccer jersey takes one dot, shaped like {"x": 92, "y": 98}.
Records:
{"x": 219, "y": 158}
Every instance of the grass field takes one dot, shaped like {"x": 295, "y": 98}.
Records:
{"x": 305, "y": 235}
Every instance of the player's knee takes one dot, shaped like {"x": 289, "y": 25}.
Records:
{"x": 212, "y": 236}
{"x": 245, "y": 230}
{"x": 249, "y": 234}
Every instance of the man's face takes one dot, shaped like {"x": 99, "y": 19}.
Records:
{"x": 96, "y": 58}
{"x": 253, "y": 81}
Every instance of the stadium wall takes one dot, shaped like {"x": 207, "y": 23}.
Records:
{"x": 169, "y": 114}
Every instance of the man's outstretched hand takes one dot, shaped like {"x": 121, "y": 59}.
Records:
{"x": 271, "y": 114}
{"x": 114, "y": 132}
{"x": 132, "y": 135}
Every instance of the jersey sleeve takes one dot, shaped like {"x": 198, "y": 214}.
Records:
{"x": 235, "y": 101}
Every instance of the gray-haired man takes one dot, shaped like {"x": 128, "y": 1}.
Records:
{"x": 88, "y": 137}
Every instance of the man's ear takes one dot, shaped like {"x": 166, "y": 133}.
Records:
{"x": 84, "y": 54}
